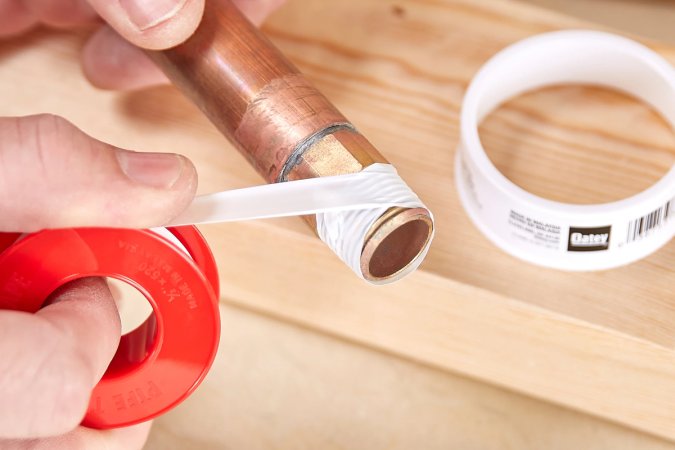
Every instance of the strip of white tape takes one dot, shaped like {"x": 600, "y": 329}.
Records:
{"x": 548, "y": 233}
{"x": 346, "y": 206}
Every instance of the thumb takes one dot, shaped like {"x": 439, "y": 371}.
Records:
{"x": 52, "y": 175}
{"x": 152, "y": 24}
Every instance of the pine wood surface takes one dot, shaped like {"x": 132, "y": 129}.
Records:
{"x": 597, "y": 342}
{"x": 275, "y": 386}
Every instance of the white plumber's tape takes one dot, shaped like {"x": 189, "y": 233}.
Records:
{"x": 346, "y": 206}
{"x": 548, "y": 233}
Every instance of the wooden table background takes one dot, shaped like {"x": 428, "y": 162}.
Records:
{"x": 276, "y": 386}
{"x": 601, "y": 343}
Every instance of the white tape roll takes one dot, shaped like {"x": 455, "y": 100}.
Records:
{"x": 346, "y": 206}
{"x": 548, "y": 233}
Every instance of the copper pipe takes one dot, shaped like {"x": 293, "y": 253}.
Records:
{"x": 284, "y": 126}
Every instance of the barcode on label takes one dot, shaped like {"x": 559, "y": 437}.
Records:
{"x": 638, "y": 228}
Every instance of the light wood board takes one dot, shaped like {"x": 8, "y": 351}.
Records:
{"x": 275, "y": 386}
{"x": 598, "y": 342}
{"x": 650, "y": 18}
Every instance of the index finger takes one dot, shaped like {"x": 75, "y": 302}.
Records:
{"x": 15, "y": 18}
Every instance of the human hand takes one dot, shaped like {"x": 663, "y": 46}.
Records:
{"x": 112, "y": 59}
{"x": 52, "y": 175}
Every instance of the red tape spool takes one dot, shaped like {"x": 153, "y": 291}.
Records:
{"x": 161, "y": 362}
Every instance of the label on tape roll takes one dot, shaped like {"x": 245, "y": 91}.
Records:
{"x": 554, "y": 234}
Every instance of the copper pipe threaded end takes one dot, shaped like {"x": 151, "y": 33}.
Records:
{"x": 395, "y": 241}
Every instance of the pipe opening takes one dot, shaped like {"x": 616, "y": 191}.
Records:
{"x": 396, "y": 243}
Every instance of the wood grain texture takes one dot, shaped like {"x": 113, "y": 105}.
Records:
{"x": 650, "y": 18}
{"x": 598, "y": 342}
{"x": 273, "y": 387}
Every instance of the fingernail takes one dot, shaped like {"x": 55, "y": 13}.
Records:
{"x": 146, "y": 14}
{"x": 158, "y": 170}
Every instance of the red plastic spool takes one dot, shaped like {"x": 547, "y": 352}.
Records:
{"x": 161, "y": 362}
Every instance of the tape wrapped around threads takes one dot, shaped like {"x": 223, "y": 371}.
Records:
{"x": 345, "y": 206}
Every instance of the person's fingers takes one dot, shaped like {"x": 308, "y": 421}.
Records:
{"x": 111, "y": 62}
{"x": 60, "y": 13}
{"x": 75, "y": 301}
{"x": 15, "y": 18}
{"x": 52, "y": 175}
{"x": 130, "y": 438}
{"x": 258, "y": 10}
{"x": 152, "y": 24}
{"x": 51, "y": 360}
